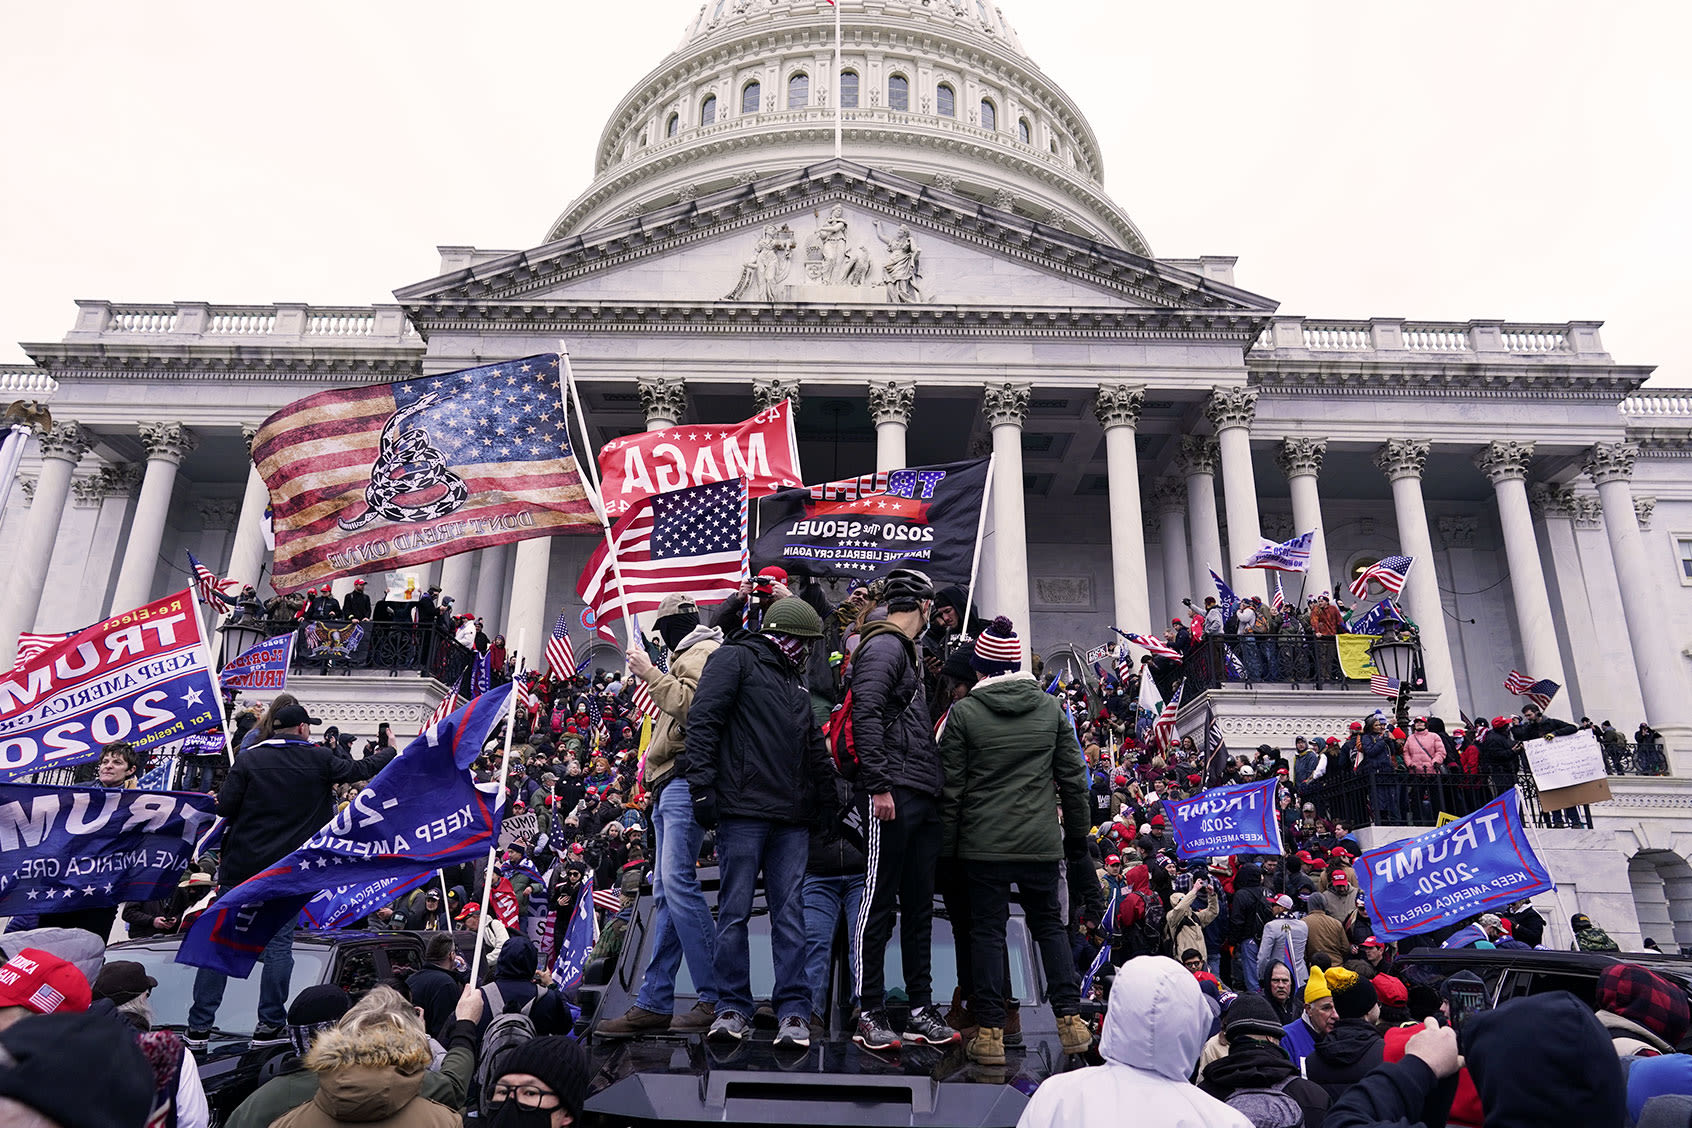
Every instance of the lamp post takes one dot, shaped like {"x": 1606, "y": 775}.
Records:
{"x": 1396, "y": 658}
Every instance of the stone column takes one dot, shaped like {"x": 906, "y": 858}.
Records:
{"x": 528, "y": 597}
{"x": 890, "y": 404}
{"x": 1505, "y": 463}
{"x": 1199, "y": 455}
{"x": 1118, "y": 409}
{"x": 1006, "y": 405}
{"x": 455, "y": 581}
{"x": 1599, "y": 662}
{"x": 1301, "y": 461}
{"x": 490, "y": 589}
{"x": 770, "y": 390}
{"x": 61, "y": 449}
{"x": 246, "y": 555}
{"x": 167, "y": 444}
{"x": 663, "y": 399}
{"x": 1401, "y": 460}
{"x": 1610, "y": 466}
{"x": 1169, "y": 500}
{"x": 1231, "y": 411}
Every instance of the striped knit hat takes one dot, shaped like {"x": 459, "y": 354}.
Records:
{"x": 997, "y": 649}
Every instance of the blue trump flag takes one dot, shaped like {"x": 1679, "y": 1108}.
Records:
{"x": 1370, "y": 622}
{"x": 1226, "y": 820}
{"x": 421, "y": 812}
{"x": 578, "y": 941}
{"x": 65, "y": 848}
{"x": 264, "y": 666}
{"x": 1476, "y": 864}
{"x": 1225, "y": 596}
{"x": 340, "y": 905}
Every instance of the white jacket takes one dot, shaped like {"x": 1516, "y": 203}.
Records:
{"x": 1153, "y": 1032}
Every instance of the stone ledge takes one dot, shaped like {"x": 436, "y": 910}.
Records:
{"x": 359, "y": 701}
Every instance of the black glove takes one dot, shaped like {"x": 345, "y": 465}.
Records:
{"x": 1075, "y": 848}
{"x": 705, "y": 810}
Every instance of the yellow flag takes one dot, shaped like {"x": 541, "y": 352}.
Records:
{"x": 645, "y": 731}
{"x": 1354, "y": 655}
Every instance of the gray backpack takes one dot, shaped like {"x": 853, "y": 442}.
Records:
{"x": 508, "y": 1030}
{"x": 1268, "y": 1108}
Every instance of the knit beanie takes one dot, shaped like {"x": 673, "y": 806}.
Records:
{"x": 54, "y": 1057}
{"x": 998, "y": 650}
{"x": 1317, "y": 987}
{"x": 1354, "y": 996}
{"x": 313, "y": 1011}
{"x": 1251, "y": 1014}
{"x": 559, "y": 1062}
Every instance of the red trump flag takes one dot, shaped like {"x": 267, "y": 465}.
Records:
{"x": 761, "y": 450}
{"x": 392, "y": 475}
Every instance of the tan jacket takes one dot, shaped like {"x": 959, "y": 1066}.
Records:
{"x": 1186, "y": 926}
{"x": 373, "y": 1080}
{"x": 673, "y": 694}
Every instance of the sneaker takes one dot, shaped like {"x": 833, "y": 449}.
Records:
{"x": 874, "y": 1033}
{"x": 196, "y": 1039}
{"x": 729, "y": 1027}
{"x": 696, "y": 1020}
{"x": 793, "y": 1032}
{"x": 269, "y": 1036}
{"x": 924, "y": 1025}
{"x": 637, "y": 1020}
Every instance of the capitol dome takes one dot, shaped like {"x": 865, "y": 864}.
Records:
{"x": 940, "y": 92}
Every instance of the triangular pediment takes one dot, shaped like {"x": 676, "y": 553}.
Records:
{"x": 837, "y": 234}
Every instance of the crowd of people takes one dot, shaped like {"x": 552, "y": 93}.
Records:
{"x": 855, "y": 761}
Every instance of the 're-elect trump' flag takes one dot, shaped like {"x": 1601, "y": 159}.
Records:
{"x": 392, "y": 475}
{"x": 421, "y": 812}
{"x": 264, "y": 666}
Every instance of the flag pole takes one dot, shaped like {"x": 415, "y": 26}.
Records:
{"x": 839, "y": 108}
{"x": 980, "y": 531}
{"x": 631, "y": 624}
{"x": 217, "y": 683}
{"x": 493, "y": 844}
{"x": 446, "y": 899}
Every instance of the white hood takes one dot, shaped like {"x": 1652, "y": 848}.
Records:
{"x": 1157, "y": 1020}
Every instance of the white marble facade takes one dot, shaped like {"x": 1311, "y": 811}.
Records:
{"x": 958, "y": 283}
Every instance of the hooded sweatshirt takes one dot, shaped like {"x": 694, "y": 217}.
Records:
{"x": 369, "y": 1077}
{"x": 672, "y": 693}
{"x": 1153, "y": 1032}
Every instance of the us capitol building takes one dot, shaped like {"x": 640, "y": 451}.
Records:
{"x": 958, "y": 282}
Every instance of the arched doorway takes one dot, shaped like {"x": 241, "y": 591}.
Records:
{"x": 1662, "y": 896}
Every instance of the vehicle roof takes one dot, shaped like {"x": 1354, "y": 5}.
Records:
{"x": 325, "y": 938}
{"x": 1677, "y": 967}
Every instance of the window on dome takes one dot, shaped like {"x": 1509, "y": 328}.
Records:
{"x": 946, "y": 101}
{"x": 989, "y": 115}
{"x": 708, "y": 110}
{"x": 980, "y": 6}
{"x": 899, "y": 93}
{"x": 749, "y": 95}
{"x": 1024, "y": 131}
{"x": 798, "y": 91}
{"x": 717, "y": 12}
{"x": 849, "y": 90}
{"x": 671, "y": 126}
{"x": 1054, "y": 146}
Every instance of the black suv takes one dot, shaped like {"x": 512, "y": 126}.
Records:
{"x": 1512, "y": 973}
{"x": 676, "y": 1079}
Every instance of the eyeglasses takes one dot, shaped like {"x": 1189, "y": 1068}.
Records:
{"x": 526, "y": 1096}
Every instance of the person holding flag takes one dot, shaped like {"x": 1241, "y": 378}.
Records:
{"x": 277, "y": 795}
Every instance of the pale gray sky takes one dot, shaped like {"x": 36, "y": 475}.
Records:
{"x": 1526, "y": 161}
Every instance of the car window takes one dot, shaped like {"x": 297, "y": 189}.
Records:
{"x": 402, "y": 960}
{"x": 356, "y": 971}
{"x": 239, "y": 1012}
{"x": 1522, "y": 982}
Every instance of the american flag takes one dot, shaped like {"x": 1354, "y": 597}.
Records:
{"x": 29, "y": 645}
{"x": 1389, "y": 573}
{"x": 1152, "y": 643}
{"x": 1539, "y": 692}
{"x": 560, "y": 654}
{"x": 596, "y": 715}
{"x": 211, "y": 588}
{"x": 641, "y": 699}
{"x": 1163, "y": 729}
{"x": 1279, "y": 600}
{"x": 46, "y": 999}
{"x": 607, "y": 900}
{"x": 442, "y": 711}
{"x": 1517, "y": 683}
{"x": 1288, "y": 556}
{"x": 688, "y": 540}
{"x": 158, "y": 777}
{"x": 1382, "y": 685}
{"x": 493, "y": 445}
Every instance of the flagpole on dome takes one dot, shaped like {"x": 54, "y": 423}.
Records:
{"x": 839, "y": 108}
{"x": 631, "y": 624}
{"x": 499, "y": 797}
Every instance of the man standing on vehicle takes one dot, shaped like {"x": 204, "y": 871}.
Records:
{"x": 758, "y": 771}
{"x": 899, "y": 792}
{"x": 280, "y": 792}
{"x": 681, "y": 922}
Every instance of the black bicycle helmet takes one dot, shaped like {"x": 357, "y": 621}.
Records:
{"x": 905, "y": 587}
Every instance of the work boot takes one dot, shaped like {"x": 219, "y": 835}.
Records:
{"x": 636, "y": 1020}
{"x": 1013, "y": 1023}
{"x": 695, "y": 1020}
{"x": 1074, "y": 1033}
{"x": 958, "y": 1016}
{"x": 988, "y": 1046}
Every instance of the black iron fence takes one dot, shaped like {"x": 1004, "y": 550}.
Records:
{"x": 342, "y": 646}
{"x": 1299, "y": 661}
{"x": 1418, "y": 799}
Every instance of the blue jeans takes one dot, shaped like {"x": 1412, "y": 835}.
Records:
{"x": 682, "y": 924}
{"x": 1248, "y": 956}
{"x": 276, "y": 969}
{"x": 746, "y": 847}
{"x": 826, "y": 899}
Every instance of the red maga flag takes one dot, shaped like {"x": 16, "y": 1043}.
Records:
{"x": 761, "y": 450}
{"x": 392, "y": 475}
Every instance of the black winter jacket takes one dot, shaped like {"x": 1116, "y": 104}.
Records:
{"x": 1351, "y": 1049}
{"x": 752, "y": 740}
{"x": 890, "y": 724}
{"x": 1545, "y": 726}
{"x": 1497, "y": 752}
{"x": 1254, "y": 1064}
{"x": 279, "y": 793}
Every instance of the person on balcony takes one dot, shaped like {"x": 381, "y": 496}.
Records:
{"x": 1374, "y": 758}
{"x": 357, "y": 604}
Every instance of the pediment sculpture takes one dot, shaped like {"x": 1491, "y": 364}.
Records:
{"x": 837, "y": 265}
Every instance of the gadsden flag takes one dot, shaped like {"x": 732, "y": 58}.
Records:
{"x": 392, "y": 475}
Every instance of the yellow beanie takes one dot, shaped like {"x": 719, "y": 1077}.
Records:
{"x": 1341, "y": 979}
{"x": 1317, "y": 988}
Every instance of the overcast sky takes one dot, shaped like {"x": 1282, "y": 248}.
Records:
{"x": 1526, "y": 161}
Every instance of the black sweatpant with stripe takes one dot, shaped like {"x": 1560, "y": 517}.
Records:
{"x": 903, "y": 854}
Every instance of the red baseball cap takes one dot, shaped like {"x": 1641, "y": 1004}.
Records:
{"x": 1338, "y": 880}
{"x": 1112, "y": 860}
{"x": 1374, "y": 942}
{"x": 1356, "y": 726}
{"x": 1390, "y": 990}
{"x": 42, "y": 982}
{"x": 775, "y": 573}
{"x": 472, "y": 907}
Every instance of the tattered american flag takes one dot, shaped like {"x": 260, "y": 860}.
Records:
{"x": 29, "y": 644}
{"x": 211, "y": 588}
{"x": 442, "y": 711}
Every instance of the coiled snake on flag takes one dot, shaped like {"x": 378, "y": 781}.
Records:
{"x": 406, "y": 464}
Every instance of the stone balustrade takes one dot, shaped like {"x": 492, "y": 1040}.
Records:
{"x": 1670, "y": 403}
{"x": 277, "y": 324}
{"x": 1473, "y": 339}
{"x": 25, "y": 381}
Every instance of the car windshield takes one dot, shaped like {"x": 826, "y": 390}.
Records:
{"x": 238, "y": 1013}
{"x": 945, "y": 959}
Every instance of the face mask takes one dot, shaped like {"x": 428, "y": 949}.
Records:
{"x": 512, "y": 1115}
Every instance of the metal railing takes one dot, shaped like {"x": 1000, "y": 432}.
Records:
{"x": 1300, "y": 661}
{"x": 1418, "y": 799}
{"x": 342, "y": 646}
